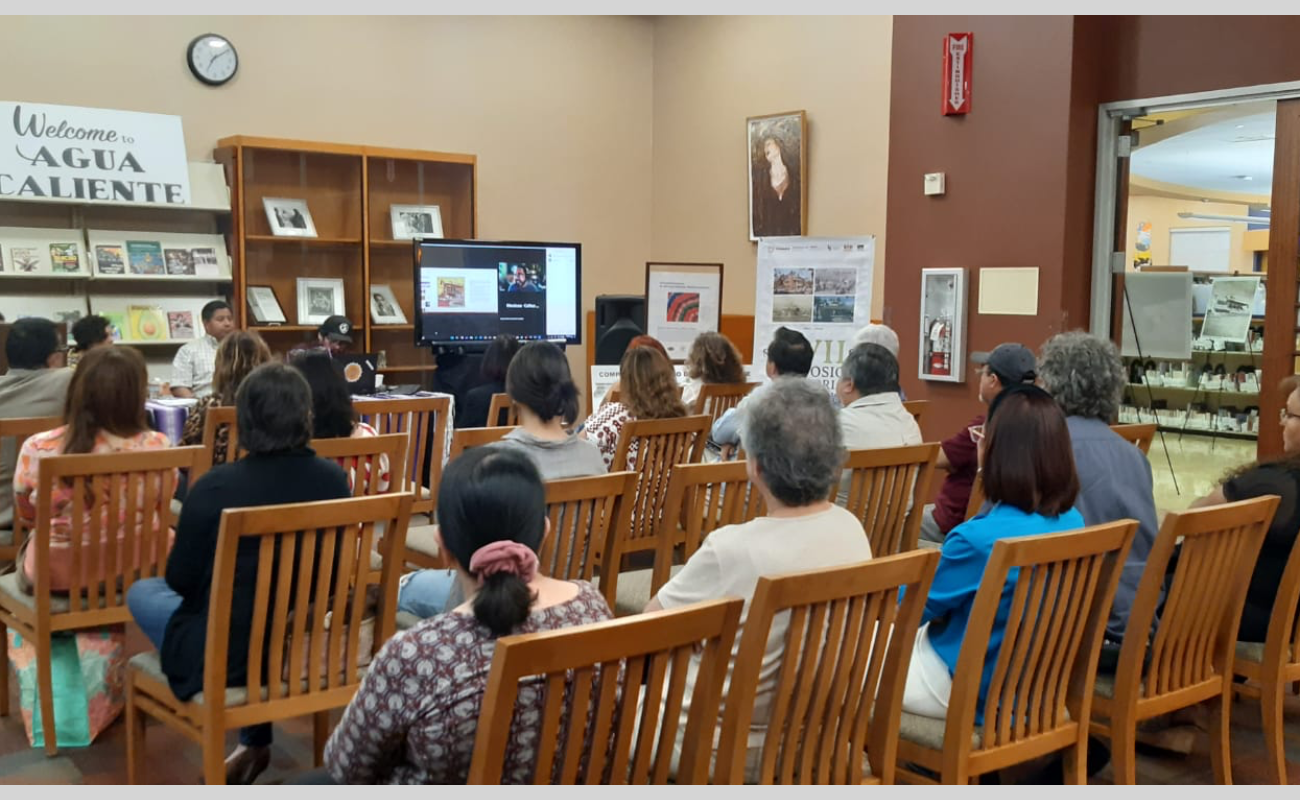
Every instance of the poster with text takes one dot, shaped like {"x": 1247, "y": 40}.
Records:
{"x": 820, "y": 287}
{"x": 604, "y": 376}
{"x": 1227, "y": 319}
{"x": 683, "y": 301}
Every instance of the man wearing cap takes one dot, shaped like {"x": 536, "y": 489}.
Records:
{"x": 1006, "y": 365}
{"x": 196, "y": 361}
{"x": 333, "y": 336}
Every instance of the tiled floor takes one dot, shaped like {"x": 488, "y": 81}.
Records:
{"x": 1199, "y": 464}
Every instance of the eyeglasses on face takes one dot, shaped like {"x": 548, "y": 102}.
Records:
{"x": 1286, "y": 415}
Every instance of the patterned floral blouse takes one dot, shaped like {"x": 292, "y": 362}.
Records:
{"x": 603, "y": 429}
{"x": 26, "y": 498}
{"x": 413, "y": 720}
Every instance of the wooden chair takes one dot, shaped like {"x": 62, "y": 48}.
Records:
{"x": 614, "y": 394}
{"x": 304, "y": 550}
{"x": 1271, "y": 665}
{"x": 584, "y": 514}
{"x": 976, "y": 501}
{"x": 13, "y": 432}
{"x": 502, "y": 405}
{"x": 716, "y": 399}
{"x": 1191, "y": 655}
{"x": 106, "y": 556}
{"x": 916, "y": 408}
{"x": 1140, "y": 435}
{"x": 463, "y": 439}
{"x": 579, "y": 669}
{"x": 660, "y": 445}
{"x": 1040, "y": 696}
{"x": 839, "y": 682}
{"x": 358, "y": 458}
{"x": 424, "y": 421}
{"x": 218, "y": 418}
{"x": 887, "y": 489}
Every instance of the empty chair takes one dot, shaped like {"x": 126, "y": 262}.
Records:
{"x": 425, "y": 421}
{"x": 1139, "y": 435}
{"x": 886, "y": 489}
{"x": 584, "y": 513}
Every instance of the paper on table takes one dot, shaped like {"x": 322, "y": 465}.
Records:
{"x": 1009, "y": 290}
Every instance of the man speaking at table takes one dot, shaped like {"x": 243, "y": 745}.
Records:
{"x": 194, "y": 363}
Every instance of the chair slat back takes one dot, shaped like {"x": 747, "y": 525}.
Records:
{"x": 1282, "y": 642}
{"x": 652, "y": 448}
{"x": 710, "y": 496}
{"x": 591, "y": 730}
{"x": 1139, "y": 435}
{"x": 1057, "y": 591}
{"x": 1197, "y": 634}
{"x": 976, "y": 501}
{"x": 215, "y": 420}
{"x": 424, "y": 420}
{"x": 501, "y": 411}
{"x": 314, "y": 577}
{"x": 366, "y": 459}
{"x": 887, "y": 489}
{"x": 916, "y": 408}
{"x": 119, "y": 522}
{"x": 716, "y": 399}
{"x": 584, "y": 514}
{"x": 614, "y": 394}
{"x": 463, "y": 439}
{"x": 839, "y": 682}
{"x": 13, "y": 432}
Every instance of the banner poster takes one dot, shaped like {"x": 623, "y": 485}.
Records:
{"x": 820, "y": 287}
{"x": 682, "y": 301}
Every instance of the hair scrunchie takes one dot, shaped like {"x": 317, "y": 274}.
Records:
{"x": 504, "y": 556}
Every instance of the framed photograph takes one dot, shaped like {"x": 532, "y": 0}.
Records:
{"x": 289, "y": 217}
{"x": 319, "y": 299}
{"x": 384, "y": 308}
{"x": 263, "y": 306}
{"x": 416, "y": 222}
{"x": 683, "y": 300}
{"x": 778, "y": 175}
{"x": 943, "y": 325}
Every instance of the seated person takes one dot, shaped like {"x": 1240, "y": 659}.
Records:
{"x": 332, "y": 414}
{"x": 640, "y": 340}
{"x": 789, "y": 355}
{"x": 883, "y": 335}
{"x": 792, "y": 443}
{"x": 104, "y": 413}
{"x": 711, "y": 359}
{"x": 238, "y": 354}
{"x": 1007, "y": 365}
{"x": 474, "y": 411}
{"x": 332, "y": 337}
{"x": 1031, "y": 486}
{"x": 872, "y": 415}
{"x": 90, "y": 332}
{"x": 649, "y": 391}
{"x": 1085, "y": 375}
{"x": 1279, "y": 476}
{"x": 195, "y": 361}
{"x": 413, "y": 719}
{"x": 274, "y": 414}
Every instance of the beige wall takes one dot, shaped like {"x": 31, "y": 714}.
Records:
{"x": 710, "y": 73}
{"x": 1162, "y": 213}
{"x": 557, "y": 109}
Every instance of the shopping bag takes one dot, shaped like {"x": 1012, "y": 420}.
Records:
{"x": 87, "y": 676}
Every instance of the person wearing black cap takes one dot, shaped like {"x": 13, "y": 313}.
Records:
{"x": 333, "y": 336}
{"x": 1006, "y": 365}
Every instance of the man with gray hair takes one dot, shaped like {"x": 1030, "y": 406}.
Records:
{"x": 873, "y": 415}
{"x": 794, "y": 453}
{"x": 1085, "y": 375}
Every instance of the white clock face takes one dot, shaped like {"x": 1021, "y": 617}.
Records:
{"x": 213, "y": 59}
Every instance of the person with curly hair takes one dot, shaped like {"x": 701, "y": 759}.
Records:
{"x": 649, "y": 392}
{"x": 238, "y": 354}
{"x": 711, "y": 359}
{"x": 1085, "y": 376}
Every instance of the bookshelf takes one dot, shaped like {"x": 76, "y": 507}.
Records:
{"x": 349, "y": 191}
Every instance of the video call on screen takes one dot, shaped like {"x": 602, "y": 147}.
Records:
{"x": 473, "y": 294}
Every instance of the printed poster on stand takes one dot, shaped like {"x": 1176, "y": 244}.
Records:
{"x": 1227, "y": 319}
{"x": 683, "y": 300}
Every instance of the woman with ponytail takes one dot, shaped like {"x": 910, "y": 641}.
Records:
{"x": 413, "y": 718}
{"x": 541, "y": 387}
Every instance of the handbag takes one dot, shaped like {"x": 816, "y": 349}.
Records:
{"x": 87, "y": 670}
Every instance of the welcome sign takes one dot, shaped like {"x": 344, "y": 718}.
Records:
{"x": 91, "y": 155}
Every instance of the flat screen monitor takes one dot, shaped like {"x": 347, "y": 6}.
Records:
{"x": 467, "y": 291}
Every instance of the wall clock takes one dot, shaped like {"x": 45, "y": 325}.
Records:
{"x": 212, "y": 59}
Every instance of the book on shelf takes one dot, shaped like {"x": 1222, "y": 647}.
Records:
{"x": 205, "y": 262}
{"x": 180, "y": 324}
{"x": 26, "y": 259}
{"x": 146, "y": 258}
{"x": 179, "y": 261}
{"x": 109, "y": 259}
{"x": 148, "y": 323}
{"x": 64, "y": 257}
{"x": 264, "y": 307}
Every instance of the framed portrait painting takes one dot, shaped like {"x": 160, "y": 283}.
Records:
{"x": 778, "y": 175}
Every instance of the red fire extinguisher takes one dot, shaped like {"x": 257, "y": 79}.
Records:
{"x": 940, "y": 344}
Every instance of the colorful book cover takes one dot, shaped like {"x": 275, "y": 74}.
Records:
{"x": 179, "y": 262}
{"x": 205, "y": 261}
{"x": 181, "y": 324}
{"x": 26, "y": 259}
{"x": 64, "y": 257}
{"x": 146, "y": 258}
{"x": 109, "y": 260}
{"x": 117, "y": 325}
{"x": 148, "y": 323}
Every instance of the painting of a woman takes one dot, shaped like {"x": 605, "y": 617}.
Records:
{"x": 777, "y": 186}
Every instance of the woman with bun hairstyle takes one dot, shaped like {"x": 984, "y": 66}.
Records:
{"x": 542, "y": 389}
{"x": 413, "y": 719}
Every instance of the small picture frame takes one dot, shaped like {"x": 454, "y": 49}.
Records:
{"x": 289, "y": 217}
{"x": 263, "y": 306}
{"x": 319, "y": 299}
{"x": 384, "y": 308}
{"x": 416, "y": 222}
{"x": 683, "y": 300}
{"x": 943, "y": 325}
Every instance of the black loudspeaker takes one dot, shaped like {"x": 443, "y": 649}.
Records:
{"x": 619, "y": 319}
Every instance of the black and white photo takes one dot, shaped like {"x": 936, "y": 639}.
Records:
{"x": 318, "y": 299}
{"x": 416, "y": 222}
{"x": 289, "y": 217}
{"x": 384, "y": 308}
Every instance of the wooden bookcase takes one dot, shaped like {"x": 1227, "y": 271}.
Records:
{"x": 349, "y": 190}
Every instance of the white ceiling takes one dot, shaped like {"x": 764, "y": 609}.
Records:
{"x": 1212, "y": 157}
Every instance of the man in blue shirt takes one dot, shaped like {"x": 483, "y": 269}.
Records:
{"x": 790, "y": 354}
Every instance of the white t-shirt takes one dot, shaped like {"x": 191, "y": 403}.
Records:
{"x": 729, "y": 564}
